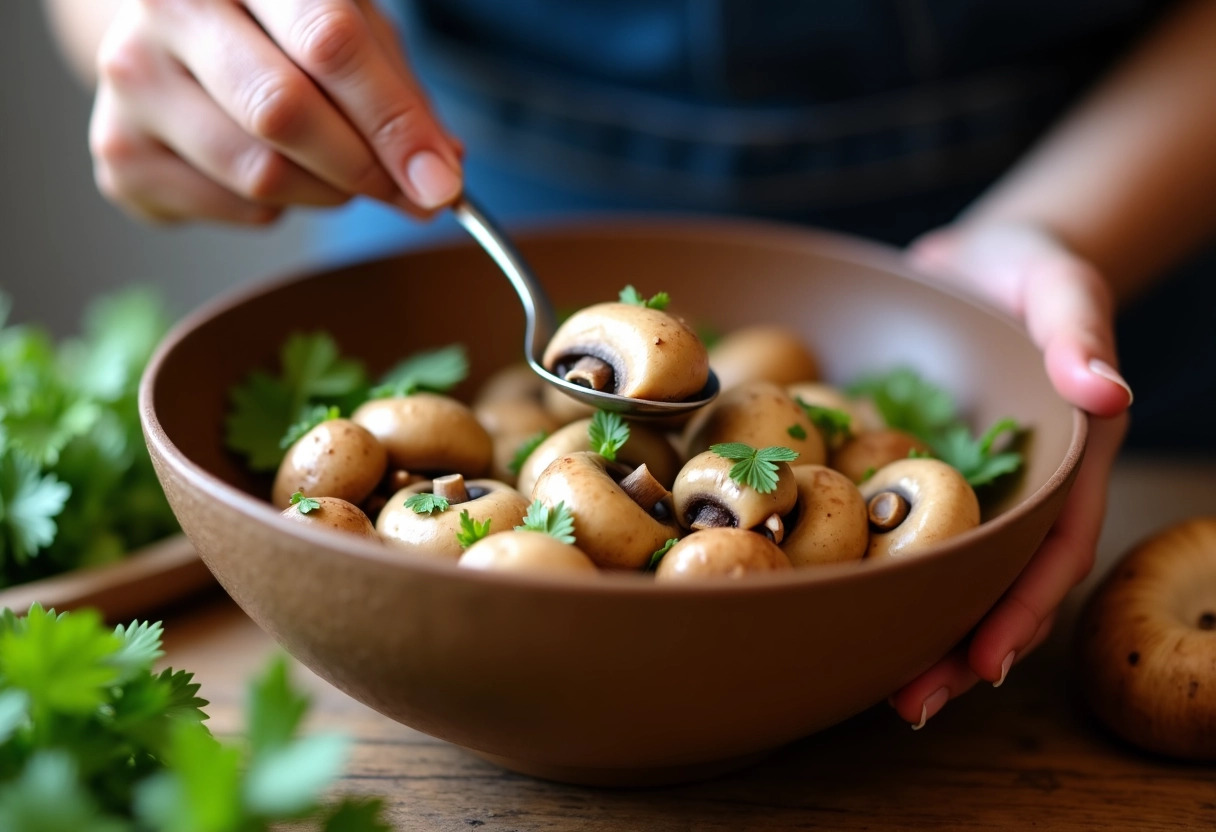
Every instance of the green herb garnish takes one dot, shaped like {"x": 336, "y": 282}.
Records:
{"x": 525, "y": 450}
{"x": 608, "y": 433}
{"x": 264, "y": 406}
{"x": 312, "y": 417}
{"x": 92, "y": 738}
{"x": 557, "y": 522}
{"x": 867, "y": 474}
{"x": 436, "y": 371}
{"x": 470, "y": 530}
{"x": 630, "y": 295}
{"x": 427, "y": 503}
{"x": 833, "y": 425}
{"x": 304, "y": 504}
{"x": 657, "y": 557}
{"x": 755, "y": 468}
{"x": 908, "y": 402}
{"x": 796, "y": 431}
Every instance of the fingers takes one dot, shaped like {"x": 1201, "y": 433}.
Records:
{"x": 334, "y": 44}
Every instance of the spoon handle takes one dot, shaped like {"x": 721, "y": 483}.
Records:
{"x": 538, "y": 311}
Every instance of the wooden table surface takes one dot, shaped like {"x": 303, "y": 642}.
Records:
{"x": 1025, "y": 756}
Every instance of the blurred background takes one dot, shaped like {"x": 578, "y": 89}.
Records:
{"x": 62, "y": 243}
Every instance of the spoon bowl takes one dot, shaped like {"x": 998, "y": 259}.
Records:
{"x": 540, "y": 323}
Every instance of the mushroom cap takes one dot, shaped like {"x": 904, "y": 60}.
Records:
{"x": 510, "y": 423}
{"x": 863, "y": 415}
{"x": 334, "y": 513}
{"x": 941, "y": 505}
{"x": 1147, "y": 643}
{"x": 830, "y": 523}
{"x": 564, "y": 408}
{"x": 428, "y": 432}
{"x": 613, "y": 530}
{"x": 757, "y": 413}
{"x": 767, "y": 352}
{"x": 706, "y": 479}
{"x": 525, "y": 551}
{"x": 720, "y": 553}
{"x": 435, "y": 533}
{"x": 653, "y": 354}
{"x": 515, "y": 382}
{"x": 337, "y": 458}
{"x": 870, "y": 450}
{"x": 644, "y": 445}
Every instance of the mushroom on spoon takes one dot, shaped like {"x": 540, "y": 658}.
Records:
{"x": 541, "y": 325}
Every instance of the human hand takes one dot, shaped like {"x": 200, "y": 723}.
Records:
{"x": 233, "y": 110}
{"x": 1068, "y": 310}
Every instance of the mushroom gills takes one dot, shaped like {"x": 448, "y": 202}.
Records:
{"x": 589, "y": 368}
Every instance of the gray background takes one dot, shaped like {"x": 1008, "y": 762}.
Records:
{"x": 61, "y": 242}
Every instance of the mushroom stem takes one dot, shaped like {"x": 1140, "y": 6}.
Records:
{"x": 451, "y": 488}
{"x": 886, "y": 510}
{"x": 773, "y": 528}
{"x": 643, "y": 488}
{"x": 592, "y": 372}
{"x": 710, "y": 515}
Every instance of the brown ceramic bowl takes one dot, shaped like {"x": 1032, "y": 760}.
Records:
{"x": 607, "y": 678}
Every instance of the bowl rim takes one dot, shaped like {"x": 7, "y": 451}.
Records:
{"x": 636, "y": 225}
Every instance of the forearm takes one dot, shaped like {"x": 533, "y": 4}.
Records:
{"x": 1128, "y": 179}
{"x": 78, "y": 26}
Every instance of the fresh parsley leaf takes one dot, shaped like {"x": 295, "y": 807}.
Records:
{"x": 974, "y": 458}
{"x": 867, "y": 474}
{"x": 62, "y": 662}
{"x": 139, "y": 648}
{"x": 470, "y": 530}
{"x": 756, "y": 468}
{"x": 796, "y": 431}
{"x": 658, "y": 301}
{"x": 436, "y": 371}
{"x": 355, "y": 814}
{"x": 427, "y": 503}
{"x": 48, "y": 795}
{"x": 907, "y": 401}
{"x": 264, "y": 407}
{"x": 657, "y": 557}
{"x": 557, "y": 522}
{"x": 305, "y": 505}
{"x": 285, "y": 782}
{"x": 608, "y": 433}
{"x": 29, "y": 503}
{"x": 833, "y": 425}
{"x": 313, "y": 416}
{"x": 525, "y": 450}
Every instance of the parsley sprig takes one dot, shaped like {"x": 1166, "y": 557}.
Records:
{"x": 427, "y": 503}
{"x": 660, "y": 553}
{"x": 525, "y": 450}
{"x": 470, "y": 530}
{"x": 754, "y": 467}
{"x": 303, "y": 504}
{"x": 908, "y": 402}
{"x": 607, "y": 433}
{"x": 436, "y": 371}
{"x": 312, "y": 417}
{"x": 557, "y": 522}
{"x": 93, "y": 739}
{"x": 833, "y": 425}
{"x": 631, "y": 296}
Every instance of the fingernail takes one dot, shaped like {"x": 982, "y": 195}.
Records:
{"x": 434, "y": 181}
{"x": 932, "y": 704}
{"x": 1005, "y": 665}
{"x": 1101, "y": 368}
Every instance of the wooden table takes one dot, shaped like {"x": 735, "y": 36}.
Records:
{"x": 1025, "y": 756}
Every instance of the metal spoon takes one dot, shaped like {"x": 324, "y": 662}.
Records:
{"x": 541, "y": 323}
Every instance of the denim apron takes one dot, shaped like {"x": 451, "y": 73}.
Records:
{"x": 882, "y": 118}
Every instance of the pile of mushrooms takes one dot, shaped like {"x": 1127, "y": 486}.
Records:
{"x": 411, "y": 470}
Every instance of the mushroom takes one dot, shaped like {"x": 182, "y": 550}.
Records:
{"x": 525, "y": 551}
{"x": 705, "y": 496}
{"x": 720, "y": 553}
{"x": 427, "y": 432}
{"x": 866, "y": 452}
{"x": 914, "y": 503}
{"x": 631, "y": 351}
{"x": 331, "y": 513}
{"x": 337, "y": 458}
{"x": 1147, "y": 643}
{"x": 515, "y": 382}
{"x": 511, "y": 423}
{"x": 756, "y": 413}
{"x": 620, "y": 518}
{"x": 563, "y": 408}
{"x": 762, "y": 353}
{"x": 644, "y": 445}
{"x": 861, "y": 412}
{"x": 434, "y": 532}
{"x": 829, "y": 523}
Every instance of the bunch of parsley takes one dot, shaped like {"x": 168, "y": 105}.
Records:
{"x": 76, "y": 483}
{"x": 93, "y": 740}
